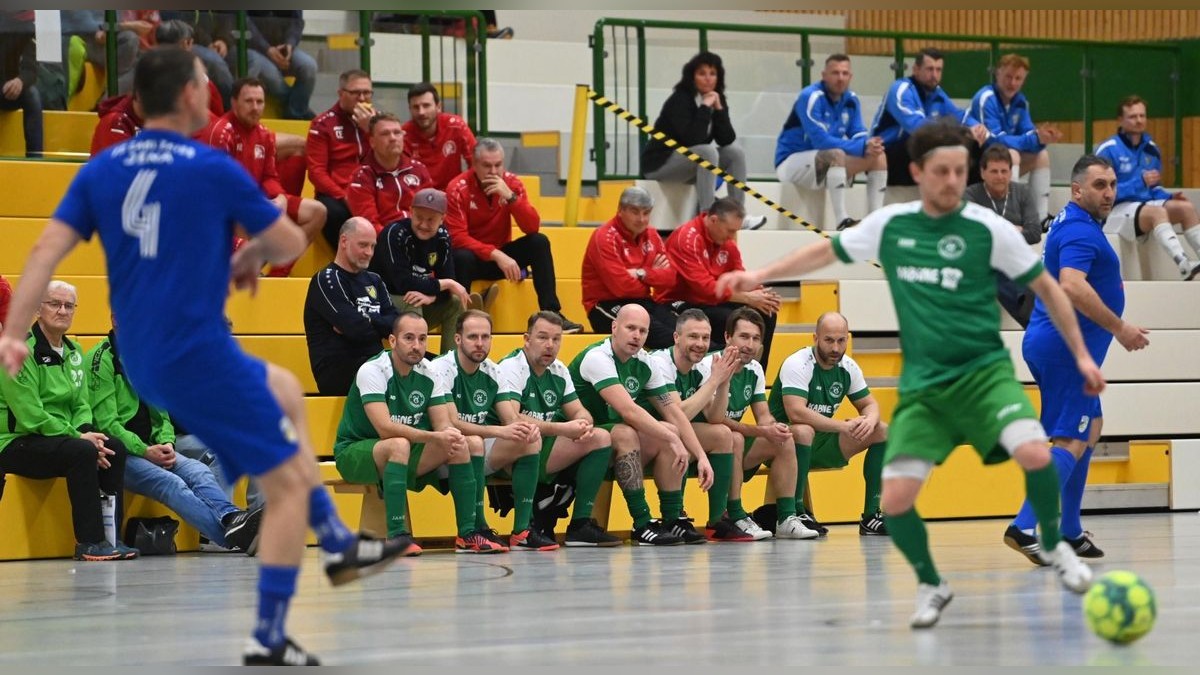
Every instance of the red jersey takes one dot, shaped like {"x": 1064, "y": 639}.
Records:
{"x": 446, "y": 152}
{"x": 481, "y": 222}
{"x": 699, "y": 261}
{"x": 611, "y": 252}
{"x": 336, "y": 147}
{"x": 384, "y": 196}
{"x": 5, "y": 296}
{"x": 252, "y": 147}
{"x": 118, "y": 122}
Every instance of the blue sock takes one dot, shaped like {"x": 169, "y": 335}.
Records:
{"x": 1064, "y": 461}
{"x": 276, "y": 585}
{"x": 1072, "y": 497}
{"x": 332, "y": 534}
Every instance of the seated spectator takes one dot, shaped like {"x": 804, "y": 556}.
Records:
{"x": 337, "y": 145}
{"x": 824, "y": 142}
{"x": 120, "y": 120}
{"x": 85, "y": 34}
{"x": 382, "y": 189}
{"x": 5, "y": 297}
{"x": 1012, "y": 201}
{"x": 180, "y": 33}
{"x": 18, "y": 75}
{"x": 153, "y": 469}
{"x": 413, "y": 258}
{"x": 696, "y": 114}
{"x": 48, "y": 430}
{"x": 1144, "y": 206}
{"x": 482, "y": 204}
{"x": 274, "y": 54}
{"x": 703, "y": 249}
{"x": 441, "y": 141}
{"x": 240, "y": 133}
{"x": 347, "y": 312}
{"x": 1002, "y": 108}
{"x": 911, "y": 102}
{"x": 213, "y": 34}
{"x": 625, "y": 260}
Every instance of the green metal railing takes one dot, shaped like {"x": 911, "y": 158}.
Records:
{"x": 475, "y": 66}
{"x": 993, "y": 43}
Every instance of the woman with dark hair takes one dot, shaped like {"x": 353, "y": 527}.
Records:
{"x": 696, "y": 114}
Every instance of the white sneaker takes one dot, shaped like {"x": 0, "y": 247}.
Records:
{"x": 751, "y": 528}
{"x": 753, "y": 222}
{"x": 1073, "y": 572}
{"x": 931, "y": 600}
{"x": 1190, "y": 271}
{"x": 794, "y": 528}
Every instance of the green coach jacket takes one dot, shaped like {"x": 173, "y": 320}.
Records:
{"x": 47, "y": 397}
{"x": 118, "y": 410}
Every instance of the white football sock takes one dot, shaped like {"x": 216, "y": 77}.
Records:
{"x": 835, "y": 183}
{"x": 876, "y": 189}
{"x": 1039, "y": 182}
{"x": 1164, "y": 234}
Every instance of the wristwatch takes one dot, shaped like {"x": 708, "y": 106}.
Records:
{"x": 512, "y": 198}
{"x": 640, "y": 273}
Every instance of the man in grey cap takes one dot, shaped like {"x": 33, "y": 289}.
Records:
{"x": 413, "y": 257}
{"x": 625, "y": 258}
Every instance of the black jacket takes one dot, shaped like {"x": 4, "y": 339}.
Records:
{"x": 407, "y": 263}
{"x": 358, "y": 306}
{"x": 688, "y": 123}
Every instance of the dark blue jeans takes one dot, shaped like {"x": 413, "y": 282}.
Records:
{"x": 31, "y": 102}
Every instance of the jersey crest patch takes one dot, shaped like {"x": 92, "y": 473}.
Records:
{"x": 449, "y": 148}
{"x": 632, "y": 385}
{"x": 372, "y": 292}
{"x": 412, "y": 180}
{"x": 416, "y": 399}
{"x": 549, "y": 397}
{"x": 722, "y": 257}
{"x": 951, "y": 247}
{"x": 836, "y": 390}
{"x": 480, "y": 397}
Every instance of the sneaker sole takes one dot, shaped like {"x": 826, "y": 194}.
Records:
{"x": 592, "y": 544}
{"x": 346, "y": 576}
{"x": 98, "y": 558}
{"x": 531, "y": 549}
{"x": 479, "y": 551}
{"x": 649, "y": 543}
{"x": 1031, "y": 556}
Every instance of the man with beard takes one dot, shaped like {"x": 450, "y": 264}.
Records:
{"x": 497, "y": 438}
{"x": 694, "y": 392}
{"x": 808, "y": 391}
{"x": 441, "y": 141}
{"x": 616, "y": 382}
{"x": 537, "y": 386}
{"x": 386, "y": 435}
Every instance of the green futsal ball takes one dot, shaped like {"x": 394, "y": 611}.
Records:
{"x": 1120, "y": 607}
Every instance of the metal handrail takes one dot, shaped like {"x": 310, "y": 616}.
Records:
{"x": 805, "y": 33}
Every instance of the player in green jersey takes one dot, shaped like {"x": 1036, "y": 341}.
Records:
{"x": 940, "y": 256}
{"x": 386, "y": 432}
{"x": 614, "y": 379}
{"x": 764, "y": 442}
{"x": 694, "y": 393}
{"x": 513, "y": 444}
{"x": 811, "y": 385}
{"x": 537, "y": 386}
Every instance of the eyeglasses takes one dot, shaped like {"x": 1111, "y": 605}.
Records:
{"x": 361, "y": 93}
{"x": 55, "y": 305}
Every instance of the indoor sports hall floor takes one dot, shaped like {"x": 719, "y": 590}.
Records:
{"x": 840, "y": 601}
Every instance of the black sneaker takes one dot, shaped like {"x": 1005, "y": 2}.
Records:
{"x": 1084, "y": 548}
{"x": 127, "y": 552}
{"x": 1046, "y": 223}
{"x": 847, "y": 222}
{"x": 531, "y": 540}
{"x": 366, "y": 556}
{"x": 1025, "y": 544}
{"x": 287, "y": 654}
{"x": 589, "y": 533}
{"x": 682, "y": 528}
{"x": 101, "y": 550}
{"x": 242, "y": 531}
{"x": 873, "y": 526}
{"x": 653, "y": 535}
{"x": 725, "y": 530}
{"x": 494, "y": 537}
{"x": 407, "y": 545}
{"x": 570, "y": 326}
{"x": 812, "y": 524}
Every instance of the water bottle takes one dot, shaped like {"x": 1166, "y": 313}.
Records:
{"x": 108, "y": 513}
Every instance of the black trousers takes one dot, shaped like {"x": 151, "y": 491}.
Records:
{"x": 662, "y": 320}
{"x": 532, "y": 251}
{"x": 719, "y": 314}
{"x": 1015, "y": 299}
{"x": 43, "y": 457}
{"x": 334, "y": 376}
{"x": 336, "y": 214}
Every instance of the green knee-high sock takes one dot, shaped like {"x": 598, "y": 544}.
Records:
{"x": 639, "y": 510}
{"x": 672, "y": 505}
{"x": 1041, "y": 489}
{"x": 873, "y": 478}
{"x": 462, "y": 489}
{"x": 908, "y": 532}
{"x": 736, "y": 510}
{"x": 589, "y": 475}
{"x": 718, "y": 494}
{"x": 524, "y": 484}
{"x": 395, "y": 497}
{"x": 785, "y": 507}
{"x": 478, "y": 469}
{"x": 803, "y": 463}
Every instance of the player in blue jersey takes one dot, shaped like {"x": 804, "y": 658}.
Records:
{"x": 1089, "y": 271}
{"x": 165, "y": 209}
